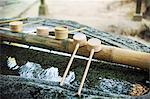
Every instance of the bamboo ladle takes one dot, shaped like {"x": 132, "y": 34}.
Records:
{"x": 60, "y": 32}
{"x": 42, "y": 31}
{"x": 93, "y": 45}
{"x": 79, "y": 40}
{"x": 17, "y": 26}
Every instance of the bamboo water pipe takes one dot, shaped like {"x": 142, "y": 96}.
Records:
{"x": 108, "y": 53}
{"x": 79, "y": 41}
{"x": 93, "y": 45}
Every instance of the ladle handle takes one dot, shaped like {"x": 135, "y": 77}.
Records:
{"x": 34, "y": 22}
{"x": 76, "y": 30}
{"x": 7, "y": 21}
{"x": 69, "y": 64}
{"x": 2, "y": 28}
{"x": 86, "y": 71}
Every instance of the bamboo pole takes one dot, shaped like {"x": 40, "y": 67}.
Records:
{"x": 18, "y": 19}
{"x": 108, "y": 53}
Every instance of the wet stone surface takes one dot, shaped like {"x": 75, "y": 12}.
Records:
{"x": 20, "y": 88}
{"x": 114, "y": 86}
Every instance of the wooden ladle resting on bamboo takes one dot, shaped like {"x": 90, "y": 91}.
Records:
{"x": 79, "y": 41}
{"x": 93, "y": 45}
{"x": 128, "y": 57}
{"x": 17, "y": 26}
{"x": 60, "y": 32}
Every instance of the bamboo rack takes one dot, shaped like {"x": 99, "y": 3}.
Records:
{"x": 108, "y": 53}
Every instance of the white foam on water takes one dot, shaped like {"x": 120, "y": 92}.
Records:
{"x": 16, "y": 67}
{"x": 70, "y": 77}
{"x": 50, "y": 74}
{"x": 35, "y": 71}
{"x": 11, "y": 62}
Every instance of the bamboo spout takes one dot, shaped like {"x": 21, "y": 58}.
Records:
{"x": 108, "y": 53}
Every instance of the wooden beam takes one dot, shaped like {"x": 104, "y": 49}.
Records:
{"x": 108, "y": 53}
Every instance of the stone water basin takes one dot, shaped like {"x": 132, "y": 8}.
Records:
{"x": 104, "y": 79}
